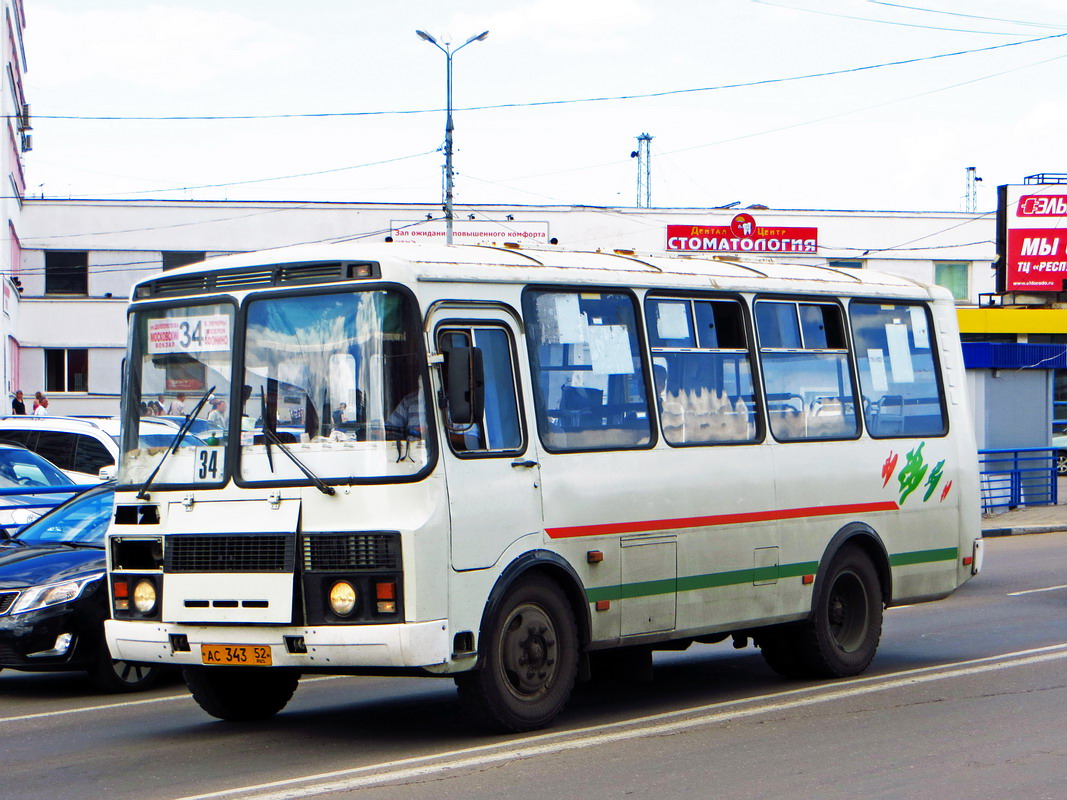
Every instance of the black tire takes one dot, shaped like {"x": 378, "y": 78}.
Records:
{"x": 781, "y": 650}
{"x": 529, "y": 659}
{"x": 842, "y": 636}
{"x": 1061, "y": 462}
{"x": 119, "y": 677}
{"x": 241, "y": 694}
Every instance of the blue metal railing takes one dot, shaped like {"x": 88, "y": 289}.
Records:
{"x": 40, "y": 499}
{"x": 1014, "y": 477}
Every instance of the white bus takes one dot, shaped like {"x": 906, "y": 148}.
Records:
{"x": 517, "y": 467}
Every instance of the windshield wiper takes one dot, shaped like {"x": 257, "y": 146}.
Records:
{"x": 270, "y": 436}
{"x": 175, "y": 443}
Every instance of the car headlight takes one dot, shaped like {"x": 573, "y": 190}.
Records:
{"x": 52, "y": 594}
{"x": 342, "y": 598}
{"x": 144, "y": 596}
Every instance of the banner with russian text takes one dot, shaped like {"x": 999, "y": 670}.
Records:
{"x": 1033, "y": 237}
{"x": 743, "y": 235}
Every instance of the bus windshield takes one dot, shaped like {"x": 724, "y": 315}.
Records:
{"x": 336, "y": 379}
{"x": 178, "y": 355}
{"x": 331, "y": 384}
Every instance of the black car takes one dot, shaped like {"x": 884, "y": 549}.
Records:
{"x": 53, "y": 596}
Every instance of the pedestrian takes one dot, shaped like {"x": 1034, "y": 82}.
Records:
{"x": 40, "y": 405}
{"x": 177, "y": 406}
{"x": 18, "y": 405}
{"x": 217, "y": 415}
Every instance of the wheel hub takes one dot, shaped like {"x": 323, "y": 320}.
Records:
{"x": 529, "y": 652}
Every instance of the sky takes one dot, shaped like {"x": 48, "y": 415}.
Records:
{"x": 790, "y": 104}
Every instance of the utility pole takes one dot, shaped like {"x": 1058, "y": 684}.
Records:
{"x": 643, "y": 154}
{"x": 972, "y": 189}
{"x": 449, "y": 52}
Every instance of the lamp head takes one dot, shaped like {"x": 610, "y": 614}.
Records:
{"x": 426, "y": 37}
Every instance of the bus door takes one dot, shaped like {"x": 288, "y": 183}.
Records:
{"x": 493, "y": 476}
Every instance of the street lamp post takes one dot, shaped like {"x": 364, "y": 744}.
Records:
{"x": 448, "y": 120}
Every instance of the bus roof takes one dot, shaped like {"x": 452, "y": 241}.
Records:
{"x": 510, "y": 264}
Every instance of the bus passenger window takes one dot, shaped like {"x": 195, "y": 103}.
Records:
{"x": 589, "y": 381}
{"x": 702, "y": 371}
{"x": 899, "y": 380}
{"x": 806, "y": 371}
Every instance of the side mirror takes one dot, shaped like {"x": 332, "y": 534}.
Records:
{"x": 464, "y": 379}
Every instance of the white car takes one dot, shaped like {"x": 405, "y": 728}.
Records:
{"x": 80, "y": 446}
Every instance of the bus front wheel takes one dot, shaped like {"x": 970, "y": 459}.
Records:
{"x": 529, "y": 659}
{"x": 241, "y": 694}
{"x": 842, "y": 635}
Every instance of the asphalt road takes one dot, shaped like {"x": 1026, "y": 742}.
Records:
{"x": 966, "y": 699}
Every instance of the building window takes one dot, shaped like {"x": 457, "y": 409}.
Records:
{"x": 953, "y": 276}
{"x": 172, "y": 259}
{"x": 66, "y": 370}
{"x": 845, "y": 263}
{"x": 66, "y": 272}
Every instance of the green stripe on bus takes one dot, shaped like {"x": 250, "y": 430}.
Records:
{"x": 716, "y": 580}
{"x": 690, "y": 583}
{"x": 924, "y": 557}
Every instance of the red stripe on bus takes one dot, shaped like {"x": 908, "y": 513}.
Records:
{"x": 718, "y": 519}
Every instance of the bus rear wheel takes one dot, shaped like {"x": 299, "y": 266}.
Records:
{"x": 842, "y": 636}
{"x": 241, "y": 694}
{"x": 529, "y": 659}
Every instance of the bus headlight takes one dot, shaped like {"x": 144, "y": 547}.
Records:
{"x": 144, "y": 597}
{"x": 343, "y": 598}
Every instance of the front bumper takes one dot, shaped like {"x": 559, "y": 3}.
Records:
{"x": 27, "y": 640}
{"x": 425, "y": 644}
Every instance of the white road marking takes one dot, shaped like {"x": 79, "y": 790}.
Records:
{"x": 143, "y": 702}
{"x": 654, "y": 725}
{"x": 1036, "y": 591}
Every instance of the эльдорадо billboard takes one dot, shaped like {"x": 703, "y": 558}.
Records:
{"x": 1032, "y": 238}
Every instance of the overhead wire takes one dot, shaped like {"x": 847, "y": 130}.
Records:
{"x": 897, "y": 23}
{"x": 572, "y": 101}
{"x": 767, "y": 131}
{"x": 984, "y": 18}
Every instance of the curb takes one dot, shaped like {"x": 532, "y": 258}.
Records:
{"x": 1020, "y": 530}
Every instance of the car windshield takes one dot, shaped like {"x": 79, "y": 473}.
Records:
{"x": 23, "y": 468}
{"x": 82, "y": 520}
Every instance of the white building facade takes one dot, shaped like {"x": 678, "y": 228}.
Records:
{"x": 79, "y": 258}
